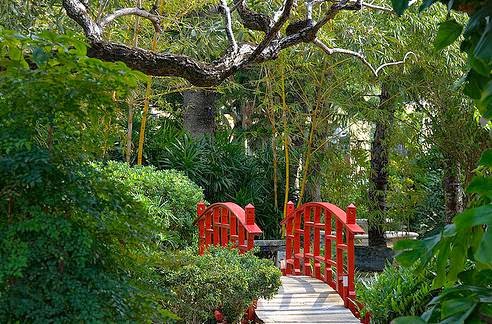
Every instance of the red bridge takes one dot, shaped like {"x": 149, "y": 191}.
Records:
{"x": 318, "y": 282}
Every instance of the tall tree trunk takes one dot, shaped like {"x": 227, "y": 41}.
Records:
{"x": 199, "y": 116}
{"x": 378, "y": 179}
{"x": 453, "y": 197}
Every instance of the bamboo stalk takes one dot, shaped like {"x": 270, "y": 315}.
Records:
{"x": 148, "y": 92}
{"x": 286, "y": 141}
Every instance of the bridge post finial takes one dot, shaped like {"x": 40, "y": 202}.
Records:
{"x": 200, "y": 208}
{"x": 290, "y": 208}
{"x": 351, "y": 214}
{"x": 250, "y": 214}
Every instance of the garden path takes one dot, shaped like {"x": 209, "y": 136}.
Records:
{"x": 303, "y": 299}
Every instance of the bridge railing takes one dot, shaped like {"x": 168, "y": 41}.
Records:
{"x": 320, "y": 243}
{"x": 224, "y": 223}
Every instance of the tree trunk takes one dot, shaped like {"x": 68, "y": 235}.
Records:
{"x": 378, "y": 178}
{"x": 199, "y": 115}
{"x": 453, "y": 197}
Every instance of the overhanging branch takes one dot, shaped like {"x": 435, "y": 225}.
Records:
{"x": 131, "y": 11}
{"x": 240, "y": 55}
{"x": 360, "y": 56}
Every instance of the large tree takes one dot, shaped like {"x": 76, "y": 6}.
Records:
{"x": 238, "y": 55}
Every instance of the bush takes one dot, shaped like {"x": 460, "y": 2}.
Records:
{"x": 220, "y": 279}
{"x": 397, "y": 291}
{"x": 168, "y": 196}
{"x": 71, "y": 246}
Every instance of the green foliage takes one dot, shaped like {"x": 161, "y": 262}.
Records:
{"x": 467, "y": 241}
{"x": 220, "y": 279}
{"x": 168, "y": 196}
{"x": 71, "y": 246}
{"x": 220, "y": 165}
{"x": 477, "y": 44}
{"x": 448, "y": 32}
{"x": 397, "y": 291}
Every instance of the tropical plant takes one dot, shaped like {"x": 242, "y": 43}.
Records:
{"x": 461, "y": 252}
{"x": 397, "y": 291}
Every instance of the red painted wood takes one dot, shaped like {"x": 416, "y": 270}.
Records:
{"x": 306, "y": 224}
{"x": 224, "y": 223}
{"x": 317, "y": 242}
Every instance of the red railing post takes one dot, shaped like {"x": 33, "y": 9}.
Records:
{"x": 224, "y": 218}
{"x": 307, "y": 241}
{"x": 216, "y": 225}
{"x": 289, "y": 236}
{"x": 297, "y": 242}
{"x": 339, "y": 256}
{"x": 208, "y": 229}
{"x": 250, "y": 220}
{"x": 351, "y": 218}
{"x": 200, "y": 208}
{"x": 328, "y": 246}
{"x": 316, "y": 243}
{"x": 233, "y": 228}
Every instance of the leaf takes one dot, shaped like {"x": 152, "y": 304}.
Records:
{"x": 483, "y": 50}
{"x": 473, "y": 217}
{"x": 400, "y": 6}
{"x": 474, "y": 84}
{"x": 481, "y": 185}
{"x": 456, "y": 305}
{"x": 486, "y": 158}
{"x": 448, "y": 32}
{"x": 484, "y": 252}
{"x": 407, "y": 320}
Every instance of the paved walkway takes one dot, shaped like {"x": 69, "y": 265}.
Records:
{"x": 303, "y": 299}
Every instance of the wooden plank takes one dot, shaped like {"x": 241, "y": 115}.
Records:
{"x": 303, "y": 299}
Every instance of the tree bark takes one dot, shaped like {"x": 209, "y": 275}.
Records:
{"x": 453, "y": 196}
{"x": 199, "y": 115}
{"x": 378, "y": 178}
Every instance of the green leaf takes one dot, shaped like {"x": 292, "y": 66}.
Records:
{"x": 474, "y": 216}
{"x": 400, "y": 6}
{"x": 474, "y": 84}
{"x": 456, "y": 305}
{"x": 484, "y": 252}
{"x": 483, "y": 50}
{"x": 481, "y": 185}
{"x": 407, "y": 320}
{"x": 448, "y": 32}
{"x": 486, "y": 158}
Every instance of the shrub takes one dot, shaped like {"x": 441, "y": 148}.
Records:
{"x": 168, "y": 196}
{"x": 220, "y": 279}
{"x": 71, "y": 248}
{"x": 397, "y": 291}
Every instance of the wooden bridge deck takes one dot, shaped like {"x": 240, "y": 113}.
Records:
{"x": 303, "y": 299}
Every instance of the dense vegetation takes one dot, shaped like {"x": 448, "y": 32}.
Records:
{"x": 101, "y": 167}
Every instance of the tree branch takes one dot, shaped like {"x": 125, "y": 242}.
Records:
{"x": 131, "y": 11}
{"x": 360, "y": 56}
{"x": 280, "y": 19}
{"x": 228, "y": 25}
{"x": 253, "y": 20}
{"x": 206, "y": 74}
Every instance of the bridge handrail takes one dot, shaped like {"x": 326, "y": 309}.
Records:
{"x": 226, "y": 222}
{"x": 345, "y": 223}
